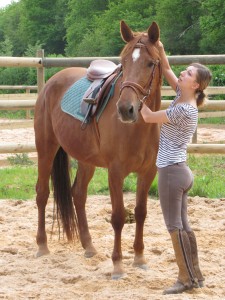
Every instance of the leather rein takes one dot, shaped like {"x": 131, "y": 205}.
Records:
{"x": 137, "y": 88}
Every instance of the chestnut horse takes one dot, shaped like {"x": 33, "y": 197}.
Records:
{"x": 120, "y": 141}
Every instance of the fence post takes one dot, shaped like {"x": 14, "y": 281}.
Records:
{"x": 40, "y": 72}
{"x": 195, "y": 137}
{"x": 28, "y": 111}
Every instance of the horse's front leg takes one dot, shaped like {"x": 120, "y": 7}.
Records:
{"x": 117, "y": 219}
{"x": 144, "y": 182}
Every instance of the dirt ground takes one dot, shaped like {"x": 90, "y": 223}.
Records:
{"x": 66, "y": 274}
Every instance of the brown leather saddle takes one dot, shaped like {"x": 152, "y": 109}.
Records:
{"x": 102, "y": 73}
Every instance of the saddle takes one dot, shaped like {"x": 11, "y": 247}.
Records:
{"x": 102, "y": 73}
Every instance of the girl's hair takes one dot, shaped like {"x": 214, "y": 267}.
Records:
{"x": 203, "y": 77}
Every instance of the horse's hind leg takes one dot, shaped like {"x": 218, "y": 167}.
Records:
{"x": 45, "y": 160}
{"x": 79, "y": 192}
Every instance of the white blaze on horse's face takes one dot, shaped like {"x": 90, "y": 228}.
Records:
{"x": 136, "y": 54}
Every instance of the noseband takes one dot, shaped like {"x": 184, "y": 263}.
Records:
{"x": 137, "y": 88}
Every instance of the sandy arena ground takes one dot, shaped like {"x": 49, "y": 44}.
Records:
{"x": 66, "y": 274}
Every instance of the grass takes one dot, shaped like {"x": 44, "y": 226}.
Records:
{"x": 217, "y": 120}
{"x": 13, "y": 115}
{"x": 209, "y": 176}
{"x": 18, "y": 181}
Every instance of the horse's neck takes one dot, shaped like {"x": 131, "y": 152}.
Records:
{"x": 155, "y": 100}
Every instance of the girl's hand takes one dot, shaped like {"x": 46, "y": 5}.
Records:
{"x": 145, "y": 112}
{"x": 159, "y": 45}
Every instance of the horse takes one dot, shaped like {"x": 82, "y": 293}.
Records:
{"x": 120, "y": 141}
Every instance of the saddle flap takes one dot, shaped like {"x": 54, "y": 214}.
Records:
{"x": 100, "y": 68}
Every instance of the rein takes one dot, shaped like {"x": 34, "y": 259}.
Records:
{"x": 137, "y": 88}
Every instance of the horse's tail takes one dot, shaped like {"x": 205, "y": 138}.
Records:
{"x": 61, "y": 185}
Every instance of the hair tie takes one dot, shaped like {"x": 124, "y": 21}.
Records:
{"x": 200, "y": 91}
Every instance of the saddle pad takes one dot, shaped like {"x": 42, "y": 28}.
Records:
{"x": 71, "y": 101}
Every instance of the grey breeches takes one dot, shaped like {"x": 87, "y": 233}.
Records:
{"x": 173, "y": 185}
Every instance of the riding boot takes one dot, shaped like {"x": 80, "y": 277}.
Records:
{"x": 186, "y": 276}
{"x": 194, "y": 253}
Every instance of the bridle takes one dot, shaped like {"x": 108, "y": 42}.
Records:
{"x": 137, "y": 88}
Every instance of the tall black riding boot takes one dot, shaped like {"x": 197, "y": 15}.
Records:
{"x": 186, "y": 278}
{"x": 195, "y": 260}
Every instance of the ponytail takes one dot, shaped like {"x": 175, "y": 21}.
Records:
{"x": 201, "y": 96}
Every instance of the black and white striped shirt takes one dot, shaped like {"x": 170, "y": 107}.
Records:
{"x": 177, "y": 133}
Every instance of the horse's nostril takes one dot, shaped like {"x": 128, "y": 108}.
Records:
{"x": 131, "y": 110}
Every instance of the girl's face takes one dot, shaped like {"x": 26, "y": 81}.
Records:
{"x": 187, "y": 78}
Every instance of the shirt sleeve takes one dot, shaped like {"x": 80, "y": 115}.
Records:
{"x": 178, "y": 115}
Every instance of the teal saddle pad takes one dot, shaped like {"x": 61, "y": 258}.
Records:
{"x": 71, "y": 101}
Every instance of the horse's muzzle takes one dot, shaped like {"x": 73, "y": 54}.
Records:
{"x": 127, "y": 112}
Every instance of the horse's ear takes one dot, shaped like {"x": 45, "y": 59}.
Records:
{"x": 153, "y": 32}
{"x": 126, "y": 32}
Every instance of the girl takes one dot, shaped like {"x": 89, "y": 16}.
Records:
{"x": 175, "y": 178}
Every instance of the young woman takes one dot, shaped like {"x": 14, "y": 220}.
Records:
{"x": 175, "y": 178}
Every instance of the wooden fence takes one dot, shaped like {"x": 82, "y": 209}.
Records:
{"x": 27, "y": 100}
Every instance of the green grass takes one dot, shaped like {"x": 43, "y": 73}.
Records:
{"x": 18, "y": 182}
{"x": 216, "y": 120}
{"x": 13, "y": 115}
{"x": 209, "y": 175}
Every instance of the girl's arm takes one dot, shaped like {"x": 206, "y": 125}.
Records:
{"x": 166, "y": 69}
{"x": 153, "y": 117}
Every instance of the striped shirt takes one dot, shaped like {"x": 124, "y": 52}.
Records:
{"x": 177, "y": 133}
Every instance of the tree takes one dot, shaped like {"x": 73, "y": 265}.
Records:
{"x": 10, "y": 18}
{"x": 102, "y": 36}
{"x": 43, "y": 22}
{"x": 79, "y": 20}
{"x": 179, "y": 23}
{"x": 6, "y": 48}
{"x": 213, "y": 27}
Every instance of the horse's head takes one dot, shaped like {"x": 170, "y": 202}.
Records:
{"x": 141, "y": 73}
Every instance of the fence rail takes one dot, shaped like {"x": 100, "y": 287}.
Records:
{"x": 27, "y": 101}
{"x": 192, "y": 148}
{"x": 41, "y": 61}
{"x": 29, "y": 104}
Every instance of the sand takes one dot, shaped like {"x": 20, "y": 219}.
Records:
{"x": 66, "y": 274}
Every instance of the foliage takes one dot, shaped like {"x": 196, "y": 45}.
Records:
{"x": 79, "y": 21}
{"x": 43, "y": 21}
{"x": 180, "y": 30}
{"x": 213, "y": 26}
{"x": 91, "y": 27}
{"x": 10, "y": 27}
{"x": 6, "y": 47}
{"x": 20, "y": 159}
{"x": 103, "y": 38}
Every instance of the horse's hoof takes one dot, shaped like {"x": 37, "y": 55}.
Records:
{"x": 140, "y": 262}
{"x": 118, "y": 276}
{"x": 141, "y": 266}
{"x": 90, "y": 253}
{"x": 43, "y": 250}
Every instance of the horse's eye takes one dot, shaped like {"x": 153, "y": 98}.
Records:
{"x": 150, "y": 64}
